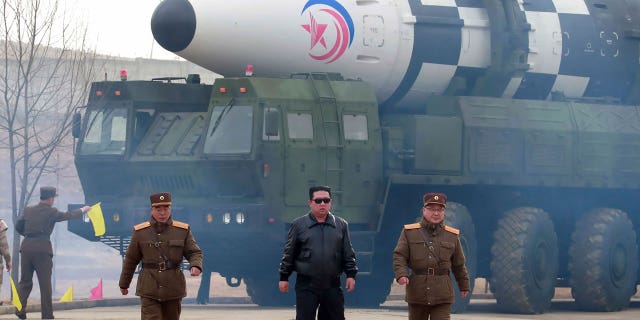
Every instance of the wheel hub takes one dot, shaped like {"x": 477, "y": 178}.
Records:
{"x": 618, "y": 264}
{"x": 540, "y": 263}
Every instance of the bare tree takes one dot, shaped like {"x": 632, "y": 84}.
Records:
{"x": 45, "y": 76}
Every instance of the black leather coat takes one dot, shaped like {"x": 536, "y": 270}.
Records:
{"x": 318, "y": 250}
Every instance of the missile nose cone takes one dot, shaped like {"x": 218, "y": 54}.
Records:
{"x": 173, "y": 24}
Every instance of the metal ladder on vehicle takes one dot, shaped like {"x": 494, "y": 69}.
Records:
{"x": 333, "y": 139}
{"x": 363, "y": 241}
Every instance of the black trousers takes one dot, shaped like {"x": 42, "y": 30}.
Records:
{"x": 327, "y": 300}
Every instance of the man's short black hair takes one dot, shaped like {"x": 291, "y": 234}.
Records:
{"x": 318, "y": 188}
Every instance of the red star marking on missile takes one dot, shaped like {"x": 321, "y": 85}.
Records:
{"x": 317, "y": 31}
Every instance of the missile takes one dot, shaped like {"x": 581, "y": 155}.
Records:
{"x": 409, "y": 50}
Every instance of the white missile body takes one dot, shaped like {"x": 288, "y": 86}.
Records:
{"x": 406, "y": 49}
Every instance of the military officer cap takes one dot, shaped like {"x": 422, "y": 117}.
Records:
{"x": 435, "y": 198}
{"x": 47, "y": 192}
{"x": 160, "y": 199}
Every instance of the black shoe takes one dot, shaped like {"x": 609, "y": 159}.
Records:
{"x": 21, "y": 315}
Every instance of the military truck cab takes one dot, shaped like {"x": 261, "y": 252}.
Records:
{"x": 123, "y": 137}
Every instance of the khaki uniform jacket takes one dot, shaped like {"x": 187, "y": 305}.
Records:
{"x": 148, "y": 246}
{"x": 36, "y": 225}
{"x": 430, "y": 263}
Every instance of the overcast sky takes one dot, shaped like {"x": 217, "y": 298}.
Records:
{"x": 121, "y": 27}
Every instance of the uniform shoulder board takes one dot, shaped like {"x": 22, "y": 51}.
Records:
{"x": 452, "y": 230}
{"x": 412, "y": 226}
{"x": 141, "y": 226}
{"x": 181, "y": 225}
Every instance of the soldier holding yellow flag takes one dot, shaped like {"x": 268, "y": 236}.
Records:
{"x": 36, "y": 224}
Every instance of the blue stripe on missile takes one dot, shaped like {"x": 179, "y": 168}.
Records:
{"x": 580, "y": 51}
{"x": 437, "y": 39}
{"x": 617, "y": 64}
{"x": 615, "y": 70}
{"x": 471, "y": 75}
{"x": 539, "y": 6}
{"x": 599, "y": 87}
{"x": 535, "y": 86}
{"x": 437, "y": 35}
{"x": 469, "y": 3}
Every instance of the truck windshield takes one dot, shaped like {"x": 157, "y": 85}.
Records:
{"x": 230, "y": 130}
{"x": 106, "y": 132}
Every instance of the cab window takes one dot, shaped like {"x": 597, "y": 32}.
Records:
{"x": 270, "y": 122}
{"x": 355, "y": 127}
{"x": 106, "y": 132}
{"x": 300, "y": 126}
{"x": 230, "y": 130}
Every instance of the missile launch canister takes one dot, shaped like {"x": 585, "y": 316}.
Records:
{"x": 410, "y": 49}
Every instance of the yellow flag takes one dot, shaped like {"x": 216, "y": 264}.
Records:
{"x": 15, "y": 299}
{"x": 68, "y": 296}
{"x": 95, "y": 214}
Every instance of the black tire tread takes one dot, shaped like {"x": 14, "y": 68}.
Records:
{"x": 511, "y": 282}
{"x": 590, "y": 280}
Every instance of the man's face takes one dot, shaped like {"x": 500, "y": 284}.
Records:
{"x": 161, "y": 213}
{"x": 433, "y": 213}
{"x": 322, "y": 208}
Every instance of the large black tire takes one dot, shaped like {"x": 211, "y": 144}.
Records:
{"x": 603, "y": 260}
{"x": 458, "y": 217}
{"x": 524, "y": 261}
{"x": 264, "y": 292}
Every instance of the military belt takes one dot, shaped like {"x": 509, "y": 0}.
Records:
{"x": 433, "y": 272}
{"x": 161, "y": 266}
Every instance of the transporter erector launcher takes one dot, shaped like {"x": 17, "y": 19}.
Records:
{"x": 409, "y": 50}
{"x": 520, "y": 111}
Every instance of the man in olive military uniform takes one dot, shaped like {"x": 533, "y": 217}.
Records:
{"x": 425, "y": 254}
{"x": 160, "y": 244}
{"x": 5, "y": 252}
{"x": 36, "y": 224}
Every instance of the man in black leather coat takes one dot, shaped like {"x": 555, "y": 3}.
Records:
{"x": 319, "y": 250}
